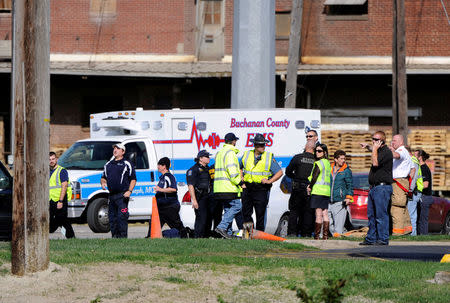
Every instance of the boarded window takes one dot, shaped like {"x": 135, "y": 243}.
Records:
{"x": 282, "y": 25}
{"x": 106, "y": 8}
{"x": 346, "y": 9}
{"x": 5, "y": 6}
{"x": 212, "y": 11}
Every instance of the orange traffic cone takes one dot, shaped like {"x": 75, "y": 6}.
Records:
{"x": 257, "y": 234}
{"x": 156, "y": 224}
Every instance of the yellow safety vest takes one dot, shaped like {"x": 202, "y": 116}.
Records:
{"x": 55, "y": 185}
{"x": 226, "y": 171}
{"x": 322, "y": 187}
{"x": 419, "y": 182}
{"x": 255, "y": 173}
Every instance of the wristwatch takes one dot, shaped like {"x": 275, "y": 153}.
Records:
{"x": 59, "y": 201}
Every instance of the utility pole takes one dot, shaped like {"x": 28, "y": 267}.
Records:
{"x": 290, "y": 95}
{"x": 31, "y": 91}
{"x": 399, "y": 88}
{"x": 253, "y": 66}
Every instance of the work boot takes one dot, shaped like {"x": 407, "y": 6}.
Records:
{"x": 326, "y": 227}
{"x": 317, "y": 229}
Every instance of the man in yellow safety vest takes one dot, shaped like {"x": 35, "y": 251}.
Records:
{"x": 260, "y": 172}
{"x": 228, "y": 184}
{"x": 60, "y": 192}
{"x": 416, "y": 188}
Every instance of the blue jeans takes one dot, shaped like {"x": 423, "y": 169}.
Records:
{"x": 412, "y": 209}
{"x": 377, "y": 213}
{"x": 231, "y": 208}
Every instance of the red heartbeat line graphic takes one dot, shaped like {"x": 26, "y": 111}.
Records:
{"x": 213, "y": 140}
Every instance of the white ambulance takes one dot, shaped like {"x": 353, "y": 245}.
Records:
{"x": 149, "y": 135}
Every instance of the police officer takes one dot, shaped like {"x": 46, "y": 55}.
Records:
{"x": 199, "y": 185}
{"x": 60, "y": 192}
{"x": 120, "y": 177}
{"x": 167, "y": 198}
{"x": 260, "y": 171}
{"x": 301, "y": 216}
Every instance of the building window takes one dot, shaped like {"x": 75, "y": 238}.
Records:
{"x": 212, "y": 12}
{"x": 346, "y": 9}
{"x": 282, "y": 25}
{"x": 5, "y": 6}
{"x": 103, "y": 8}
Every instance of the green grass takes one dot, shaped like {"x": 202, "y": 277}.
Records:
{"x": 399, "y": 281}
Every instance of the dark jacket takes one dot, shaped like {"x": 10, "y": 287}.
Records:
{"x": 341, "y": 184}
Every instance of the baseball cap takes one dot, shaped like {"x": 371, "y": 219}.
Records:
{"x": 119, "y": 145}
{"x": 203, "y": 153}
{"x": 259, "y": 139}
{"x": 230, "y": 137}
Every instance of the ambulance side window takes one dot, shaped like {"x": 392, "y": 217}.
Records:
{"x": 141, "y": 154}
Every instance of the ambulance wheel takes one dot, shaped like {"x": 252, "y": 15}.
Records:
{"x": 97, "y": 215}
{"x": 282, "y": 228}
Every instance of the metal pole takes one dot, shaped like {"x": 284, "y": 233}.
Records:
{"x": 294, "y": 53}
{"x": 31, "y": 87}
{"x": 253, "y": 66}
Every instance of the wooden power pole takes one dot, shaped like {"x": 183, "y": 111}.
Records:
{"x": 399, "y": 88}
{"x": 31, "y": 94}
{"x": 290, "y": 95}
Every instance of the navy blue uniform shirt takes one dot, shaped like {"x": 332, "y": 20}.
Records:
{"x": 165, "y": 181}
{"x": 63, "y": 175}
{"x": 118, "y": 175}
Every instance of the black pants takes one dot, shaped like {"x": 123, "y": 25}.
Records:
{"x": 424, "y": 210}
{"x": 301, "y": 215}
{"x": 258, "y": 199}
{"x": 215, "y": 213}
{"x": 58, "y": 217}
{"x": 202, "y": 216}
{"x": 170, "y": 213}
{"x": 118, "y": 215}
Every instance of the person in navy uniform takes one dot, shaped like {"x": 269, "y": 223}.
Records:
{"x": 199, "y": 183}
{"x": 167, "y": 198}
{"x": 120, "y": 177}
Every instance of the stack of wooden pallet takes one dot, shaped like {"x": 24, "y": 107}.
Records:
{"x": 436, "y": 142}
{"x": 333, "y": 141}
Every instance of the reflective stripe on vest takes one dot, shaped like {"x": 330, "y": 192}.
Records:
{"x": 419, "y": 182}
{"x": 255, "y": 173}
{"x": 55, "y": 186}
{"x": 322, "y": 187}
{"x": 222, "y": 177}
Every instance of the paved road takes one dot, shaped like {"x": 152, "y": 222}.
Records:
{"x": 330, "y": 249}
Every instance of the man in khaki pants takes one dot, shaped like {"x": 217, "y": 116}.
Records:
{"x": 401, "y": 170}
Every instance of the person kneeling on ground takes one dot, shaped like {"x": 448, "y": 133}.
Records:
{"x": 167, "y": 198}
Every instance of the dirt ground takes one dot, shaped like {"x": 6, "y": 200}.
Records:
{"x": 131, "y": 282}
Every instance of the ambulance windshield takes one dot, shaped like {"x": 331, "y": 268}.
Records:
{"x": 89, "y": 155}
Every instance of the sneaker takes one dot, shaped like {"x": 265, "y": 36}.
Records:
{"x": 380, "y": 243}
{"x": 366, "y": 243}
{"x": 223, "y": 233}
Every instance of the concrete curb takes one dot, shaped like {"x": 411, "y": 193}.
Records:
{"x": 346, "y": 244}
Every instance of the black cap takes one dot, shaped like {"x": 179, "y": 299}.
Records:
{"x": 230, "y": 137}
{"x": 203, "y": 153}
{"x": 164, "y": 161}
{"x": 259, "y": 139}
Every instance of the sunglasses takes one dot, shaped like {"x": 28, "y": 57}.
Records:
{"x": 319, "y": 151}
{"x": 309, "y": 136}
{"x": 376, "y": 139}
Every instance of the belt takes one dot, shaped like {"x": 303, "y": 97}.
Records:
{"x": 380, "y": 183}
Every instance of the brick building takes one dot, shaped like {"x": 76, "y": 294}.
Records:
{"x": 114, "y": 55}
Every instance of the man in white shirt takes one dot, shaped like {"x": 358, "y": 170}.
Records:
{"x": 401, "y": 170}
